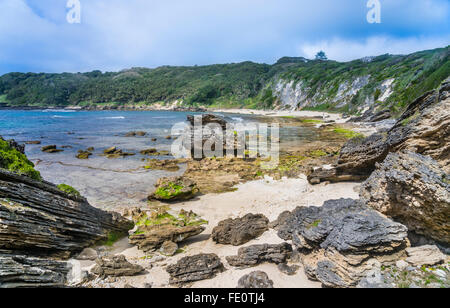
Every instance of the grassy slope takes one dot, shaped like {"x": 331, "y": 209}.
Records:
{"x": 232, "y": 85}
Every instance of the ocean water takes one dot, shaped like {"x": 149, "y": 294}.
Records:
{"x": 107, "y": 183}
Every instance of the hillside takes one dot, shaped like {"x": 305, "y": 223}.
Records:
{"x": 383, "y": 82}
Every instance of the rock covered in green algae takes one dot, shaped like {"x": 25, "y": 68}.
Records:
{"x": 159, "y": 227}
{"x": 174, "y": 189}
{"x": 13, "y": 160}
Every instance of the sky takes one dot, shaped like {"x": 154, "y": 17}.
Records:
{"x": 35, "y": 35}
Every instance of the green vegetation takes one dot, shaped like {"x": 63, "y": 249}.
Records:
{"x": 169, "y": 191}
{"x": 246, "y": 84}
{"x": 69, "y": 190}
{"x": 183, "y": 219}
{"x": 347, "y": 133}
{"x": 312, "y": 121}
{"x": 112, "y": 238}
{"x": 14, "y": 161}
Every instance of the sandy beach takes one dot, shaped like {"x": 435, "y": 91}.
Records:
{"x": 266, "y": 197}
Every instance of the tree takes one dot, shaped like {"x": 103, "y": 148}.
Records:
{"x": 321, "y": 56}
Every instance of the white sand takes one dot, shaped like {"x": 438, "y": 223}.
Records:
{"x": 267, "y": 197}
{"x": 285, "y": 113}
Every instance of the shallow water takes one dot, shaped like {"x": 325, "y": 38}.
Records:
{"x": 108, "y": 183}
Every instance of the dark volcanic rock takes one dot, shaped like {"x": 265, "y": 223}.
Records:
{"x": 413, "y": 190}
{"x": 39, "y": 219}
{"x": 195, "y": 268}
{"x": 423, "y": 128}
{"x": 255, "y": 280}
{"x": 241, "y": 230}
{"x": 116, "y": 266}
{"x": 342, "y": 240}
{"x": 256, "y": 254}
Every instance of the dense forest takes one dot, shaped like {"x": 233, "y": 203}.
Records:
{"x": 246, "y": 84}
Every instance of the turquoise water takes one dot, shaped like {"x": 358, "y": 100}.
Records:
{"x": 107, "y": 183}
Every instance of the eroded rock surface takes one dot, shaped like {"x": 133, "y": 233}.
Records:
{"x": 240, "y": 230}
{"x": 255, "y": 280}
{"x": 423, "y": 128}
{"x": 174, "y": 189}
{"x": 116, "y": 266}
{"x": 343, "y": 240}
{"x": 195, "y": 268}
{"x": 256, "y": 254}
{"x": 414, "y": 190}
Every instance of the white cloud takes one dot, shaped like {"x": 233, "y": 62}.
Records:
{"x": 346, "y": 50}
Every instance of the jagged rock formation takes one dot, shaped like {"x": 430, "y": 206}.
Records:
{"x": 19, "y": 271}
{"x": 413, "y": 190}
{"x": 423, "y": 128}
{"x": 256, "y": 254}
{"x": 174, "y": 189}
{"x": 255, "y": 280}
{"x": 39, "y": 218}
{"x": 39, "y": 221}
{"x": 152, "y": 237}
{"x": 240, "y": 230}
{"x": 343, "y": 240}
{"x": 195, "y": 268}
{"x": 116, "y": 266}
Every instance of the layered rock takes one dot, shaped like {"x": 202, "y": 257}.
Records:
{"x": 240, "y": 230}
{"x": 116, "y": 266}
{"x": 255, "y": 280}
{"x": 256, "y": 254}
{"x": 414, "y": 190}
{"x": 40, "y": 224}
{"x": 423, "y": 128}
{"x": 150, "y": 238}
{"x": 19, "y": 271}
{"x": 195, "y": 268}
{"x": 343, "y": 240}
{"x": 174, "y": 189}
{"x": 39, "y": 218}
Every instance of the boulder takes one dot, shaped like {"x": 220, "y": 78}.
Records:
{"x": 116, "y": 266}
{"x": 148, "y": 151}
{"x": 423, "y": 128}
{"x": 136, "y": 134}
{"x": 40, "y": 219}
{"x": 428, "y": 255}
{"x": 174, "y": 189}
{"x": 50, "y": 149}
{"x": 83, "y": 154}
{"x": 256, "y": 254}
{"x": 110, "y": 150}
{"x": 240, "y": 230}
{"x": 343, "y": 240}
{"x": 24, "y": 271}
{"x": 414, "y": 190}
{"x": 169, "y": 248}
{"x": 255, "y": 280}
{"x": 150, "y": 238}
{"x": 195, "y": 268}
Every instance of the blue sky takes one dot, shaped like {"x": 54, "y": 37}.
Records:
{"x": 116, "y": 34}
